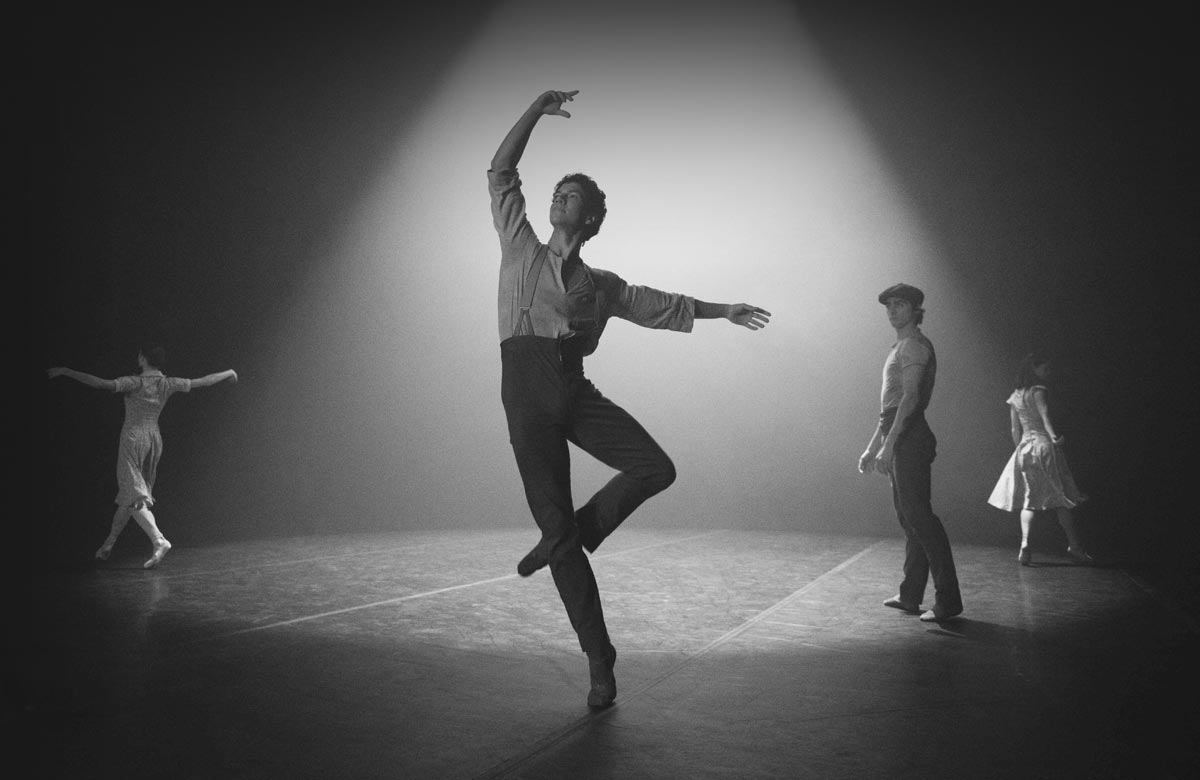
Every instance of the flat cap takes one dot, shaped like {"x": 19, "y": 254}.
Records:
{"x": 905, "y": 291}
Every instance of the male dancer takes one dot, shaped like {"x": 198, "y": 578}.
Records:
{"x": 552, "y": 311}
{"x": 906, "y": 455}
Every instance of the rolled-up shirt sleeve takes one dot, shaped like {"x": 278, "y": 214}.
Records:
{"x": 508, "y": 213}
{"x": 647, "y": 306}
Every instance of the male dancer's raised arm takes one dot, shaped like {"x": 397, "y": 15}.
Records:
{"x": 513, "y": 146}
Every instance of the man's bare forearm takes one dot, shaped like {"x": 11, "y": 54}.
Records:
{"x": 513, "y": 146}
{"x": 908, "y": 404}
{"x": 711, "y": 311}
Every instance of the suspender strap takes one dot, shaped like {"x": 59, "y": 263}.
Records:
{"x": 524, "y": 323}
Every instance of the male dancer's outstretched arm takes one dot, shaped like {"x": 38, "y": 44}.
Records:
{"x": 743, "y": 314}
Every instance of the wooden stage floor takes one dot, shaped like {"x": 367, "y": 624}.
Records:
{"x": 741, "y": 655}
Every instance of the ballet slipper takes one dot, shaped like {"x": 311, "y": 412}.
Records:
{"x": 160, "y": 551}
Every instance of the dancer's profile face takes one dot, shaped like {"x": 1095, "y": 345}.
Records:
{"x": 1042, "y": 370}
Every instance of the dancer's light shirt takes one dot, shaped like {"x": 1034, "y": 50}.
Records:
{"x": 582, "y": 311}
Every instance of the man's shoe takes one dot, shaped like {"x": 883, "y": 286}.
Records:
{"x": 895, "y": 602}
{"x": 604, "y": 685}
{"x": 940, "y": 613}
{"x": 533, "y": 560}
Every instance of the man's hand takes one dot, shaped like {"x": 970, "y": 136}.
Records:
{"x": 883, "y": 460}
{"x": 551, "y": 102}
{"x": 748, "y": 316}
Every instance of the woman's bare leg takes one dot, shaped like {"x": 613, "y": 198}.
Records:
{"x": 120, "y": 518}
{"x": 145, "y": 518}
{"x": 1025, "y": 556}
{"x": 1066, "y": 519}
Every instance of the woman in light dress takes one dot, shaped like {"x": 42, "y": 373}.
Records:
{"x": 1037, "y": 477}
{"x": 141, "y": 443}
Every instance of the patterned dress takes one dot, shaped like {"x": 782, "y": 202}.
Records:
{"x": 1037, "y": 475}
{"x": 141, "y": 443}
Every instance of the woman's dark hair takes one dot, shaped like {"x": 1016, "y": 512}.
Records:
{"x": 593, "y": 200}
{"x": 155, "y": 355}
{"x": 1026, "y": 377}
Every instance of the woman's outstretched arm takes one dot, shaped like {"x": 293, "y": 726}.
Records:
{"x": 87, "y": 379}
{"x": 212, "y": 379}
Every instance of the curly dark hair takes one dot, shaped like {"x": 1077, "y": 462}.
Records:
{"x": 593, "y": 200}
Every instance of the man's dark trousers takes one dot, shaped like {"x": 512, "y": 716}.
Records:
{"x": 927, "y": 549}
{"x": 548, "y": 403}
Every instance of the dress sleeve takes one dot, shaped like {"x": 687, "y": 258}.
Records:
{"x": 177, "y": 384}
{"x": 647, "y": 306}
{"x": 125, "y": 384}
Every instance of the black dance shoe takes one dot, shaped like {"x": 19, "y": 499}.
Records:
{"x": 533, "y": 560}
{"x": 604, "y": 684}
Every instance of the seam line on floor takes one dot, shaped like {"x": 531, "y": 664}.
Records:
{"x": 545, "y": 743}
{"x": 435, "y": 592}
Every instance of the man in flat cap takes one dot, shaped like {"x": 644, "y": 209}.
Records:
{"x": 903, "y": 447}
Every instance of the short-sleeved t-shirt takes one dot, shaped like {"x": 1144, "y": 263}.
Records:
{"x": 914, "y": 350}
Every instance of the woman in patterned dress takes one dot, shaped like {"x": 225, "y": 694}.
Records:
{"x": 1037, "y": 477}
{"x": 141, "y": 443}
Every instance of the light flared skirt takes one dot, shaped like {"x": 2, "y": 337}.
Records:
{"x": 1036, "y": 477}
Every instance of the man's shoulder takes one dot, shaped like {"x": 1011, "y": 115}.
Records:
{"x": 914, "y": 349}
{"x": 602, "y": 277}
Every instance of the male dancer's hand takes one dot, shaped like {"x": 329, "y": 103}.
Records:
{"x": 550, "y": 102}
{"x": 748, "y": 316}
{"x": 883, "y": 460}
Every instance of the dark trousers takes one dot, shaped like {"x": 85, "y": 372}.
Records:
{"x": 548, "y": 403}
{"x": 927, "y": 549}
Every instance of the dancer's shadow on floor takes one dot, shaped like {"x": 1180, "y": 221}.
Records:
{"x": 980, "y": 631}
{"x": 1068, "y": 564}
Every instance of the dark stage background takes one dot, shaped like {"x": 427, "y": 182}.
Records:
{"x": 192, "y": 173}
